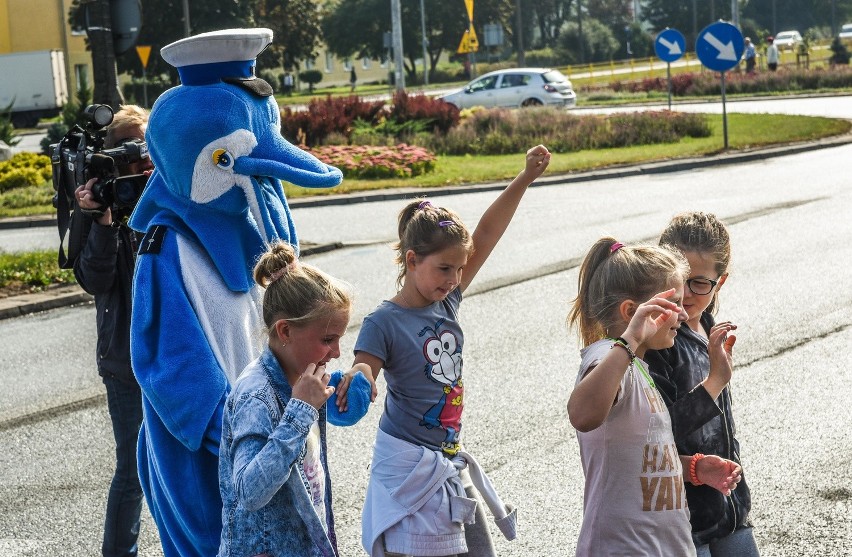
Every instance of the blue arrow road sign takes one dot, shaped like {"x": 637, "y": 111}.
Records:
{"x": 669, "y": 45}
{"x": 719, "y": 46}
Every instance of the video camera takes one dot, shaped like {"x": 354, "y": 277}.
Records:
{"x": 80, "y": 156}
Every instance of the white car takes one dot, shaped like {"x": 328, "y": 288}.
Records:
{"x": 789, "y": 40}
{"x": 515, "y": 87}
{"x": 845, "y": 32}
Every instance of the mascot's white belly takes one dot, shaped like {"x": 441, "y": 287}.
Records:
{"x": 231, "y": 321}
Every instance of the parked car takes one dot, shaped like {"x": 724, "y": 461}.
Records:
{"x": 845, "y": 34}
{"x": 515, "y": 87}
{"x": 788, "y": 40}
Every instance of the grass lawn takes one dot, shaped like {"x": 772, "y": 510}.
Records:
{"x": 744, "y": 131}
{"x": 24, "y": 272}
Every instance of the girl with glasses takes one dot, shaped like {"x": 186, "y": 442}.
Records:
{"x": 693, "y": 378}
{"x": 628, "y": 303}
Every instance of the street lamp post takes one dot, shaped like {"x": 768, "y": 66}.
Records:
{"x": 396, "y": 31}
{"x": 426, "y": 64}
{"x": 519, "y": 23}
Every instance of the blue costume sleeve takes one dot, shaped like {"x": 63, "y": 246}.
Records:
{"x": 172, "y": 359}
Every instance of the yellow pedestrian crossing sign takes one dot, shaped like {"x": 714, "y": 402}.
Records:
{"x": 469, "y": 42}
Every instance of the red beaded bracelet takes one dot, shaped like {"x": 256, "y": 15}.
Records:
{"x": 693, "y": 477}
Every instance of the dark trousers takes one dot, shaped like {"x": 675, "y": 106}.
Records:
{"x": 124, "y": 505}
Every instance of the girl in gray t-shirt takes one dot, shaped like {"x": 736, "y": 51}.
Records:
{"x": 416, "y": 338}
{"x": 628, "y": 302}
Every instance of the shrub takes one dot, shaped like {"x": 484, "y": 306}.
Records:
{"x": 501, "y": 131}
{"x": 7, "y": 130}
{"x": 24, "y": 170}
{"x": 32, "y": 270}
{"x": 324, "y": 116}
{"x": 400, "y": 161}
{"x": 440, "y": 116}
{"x": 311, "y": 77}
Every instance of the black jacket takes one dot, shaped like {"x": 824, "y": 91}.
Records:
{"x": 105, "y": 270}
{"x": 700, "y": 425}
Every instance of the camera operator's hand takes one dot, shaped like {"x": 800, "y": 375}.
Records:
{"x": 87, "y": 202}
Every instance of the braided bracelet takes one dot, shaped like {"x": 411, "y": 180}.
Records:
{"x": 693, "y": 476}
{"x": 626, "y": 345}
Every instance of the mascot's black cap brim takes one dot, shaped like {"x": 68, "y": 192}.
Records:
{"x": 254, "y": 85}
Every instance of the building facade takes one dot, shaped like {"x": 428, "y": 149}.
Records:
{"x": 29, "y": 25}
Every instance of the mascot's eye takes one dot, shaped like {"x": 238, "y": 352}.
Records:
{"x": 223, "y": 159}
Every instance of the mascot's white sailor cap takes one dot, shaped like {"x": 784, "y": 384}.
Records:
{"x": 226, "y": 55}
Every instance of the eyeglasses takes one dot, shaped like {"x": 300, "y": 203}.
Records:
{"x": 701, "y": 286}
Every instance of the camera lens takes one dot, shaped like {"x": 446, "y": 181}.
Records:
{"x": 98, "y": 114}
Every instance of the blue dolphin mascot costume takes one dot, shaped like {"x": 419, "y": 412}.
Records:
{"x": 210, "y": 208}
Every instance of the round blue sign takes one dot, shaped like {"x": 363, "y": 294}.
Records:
{"x": 669, "y": 45}
{"x": 719, "y": 46}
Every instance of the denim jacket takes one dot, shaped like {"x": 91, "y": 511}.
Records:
{"x": 266, "y": 507}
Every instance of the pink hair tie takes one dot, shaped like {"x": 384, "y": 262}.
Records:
{"x": 615, "y": 247}
{"x": 280, "y": 273}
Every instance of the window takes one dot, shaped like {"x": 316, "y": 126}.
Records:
{"x": 310, "y": 63}
{"x": 81, "y": 75}
{"x": 347, "y": 64}
{"x": 483, "y": 84}
{"x": 366, "y": 63}
{"x": 514, "y": 80}
{"x": 329, "y": 61}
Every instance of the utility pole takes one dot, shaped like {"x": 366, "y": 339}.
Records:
{"x": 735, "y": 13}
{"x": 426, "y": 61}
{"x": 580, "y": 32}
{"x": 519, "y": 34}
{"x": 186, "y": 30}
{"x": 396, "y": 31}
{"x": 105, "y": 73}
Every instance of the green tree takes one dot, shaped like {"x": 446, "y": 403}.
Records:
{"x": 354, "y": 28}
{"x": 550, "y": 17}
{"x": 599, "y": 44}
{"x": 296, "y": 31}
{"x": 163, "y": 23}
{"x": 7, "y": 130}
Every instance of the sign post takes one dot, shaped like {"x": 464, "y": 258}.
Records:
{"x": 669, "y": 46}
{"x": 719, "y": 46}
{"x": 144, "y": 52}
{"x": 469, "y": 43}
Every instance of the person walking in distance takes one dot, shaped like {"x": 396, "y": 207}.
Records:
{"x": 772, "y": 55}
{"x": 105, "y": 269}
{"x": 353, "y": 79}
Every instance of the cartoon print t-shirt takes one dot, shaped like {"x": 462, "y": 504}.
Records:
{"x": 422, "y": 352}
{"x": 634, "y": 502}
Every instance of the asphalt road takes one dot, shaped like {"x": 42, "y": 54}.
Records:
{"x": 789, "y": 292}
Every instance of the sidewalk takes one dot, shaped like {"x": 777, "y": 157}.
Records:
{"x": 16, "y": 306}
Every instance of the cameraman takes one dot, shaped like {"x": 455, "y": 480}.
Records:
{"x": 105, "y": 270}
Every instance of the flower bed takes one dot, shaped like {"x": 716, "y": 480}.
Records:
{"x": 369, "y": 161}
